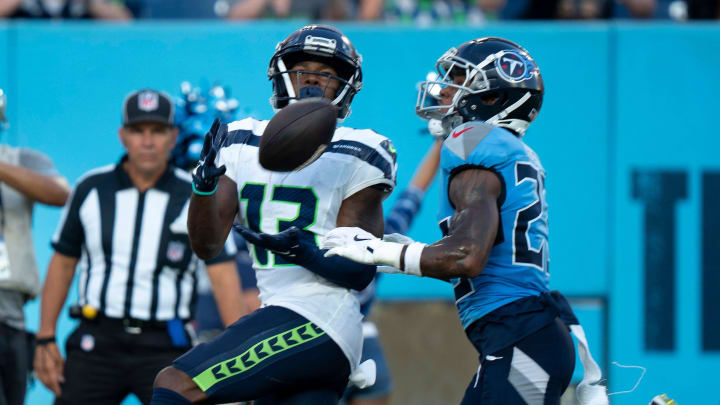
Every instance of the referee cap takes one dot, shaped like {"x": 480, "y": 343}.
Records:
{"x": 148, "y": 105}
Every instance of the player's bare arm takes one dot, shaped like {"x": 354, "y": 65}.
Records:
{"x": 473, "y": 228}
{"x": 463, "y": 253}
{"x": 214, "y": 202}
{"x": 364, "y": 210}
{"x": 210, "y": 218}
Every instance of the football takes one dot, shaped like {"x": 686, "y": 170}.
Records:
{"x": 297, "y": 135}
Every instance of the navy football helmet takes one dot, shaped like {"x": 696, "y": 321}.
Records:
{"x": 502, "y": 86}
{"x": 321, "y": 43}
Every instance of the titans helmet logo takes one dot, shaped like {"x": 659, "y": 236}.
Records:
{"x": 514, "y": 66}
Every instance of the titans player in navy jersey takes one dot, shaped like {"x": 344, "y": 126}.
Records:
{"x": 494, "y": 217}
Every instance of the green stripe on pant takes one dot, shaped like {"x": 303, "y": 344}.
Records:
{"x": 256, "y": 354}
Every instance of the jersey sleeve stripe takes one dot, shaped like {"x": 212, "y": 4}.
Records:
{"x": 365, "y": 153}
{"x": 241, "y": 136}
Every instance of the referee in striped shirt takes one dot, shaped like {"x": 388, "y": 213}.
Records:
{"x": 125, "y": 226}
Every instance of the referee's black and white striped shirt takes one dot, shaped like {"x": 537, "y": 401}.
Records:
{"x": 133, "y": 248}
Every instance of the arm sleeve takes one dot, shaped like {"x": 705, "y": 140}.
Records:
{"x": 336, "y": 269}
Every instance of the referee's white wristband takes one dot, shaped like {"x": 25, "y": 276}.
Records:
{"x": 412, "y": 258}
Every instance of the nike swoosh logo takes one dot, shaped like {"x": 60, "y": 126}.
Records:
{"x": 358, "y": 239}
{"x": 492, "y": 358}
{"x": 456, "y": 134}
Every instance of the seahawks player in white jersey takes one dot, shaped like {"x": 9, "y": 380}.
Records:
{"x": 494, "y": 216}
{"x": 305, "y": 342}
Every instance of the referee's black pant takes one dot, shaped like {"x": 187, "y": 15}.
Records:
{"x": 107, "y": 361}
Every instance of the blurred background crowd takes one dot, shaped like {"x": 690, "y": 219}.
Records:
{"x": 423, "y": 12}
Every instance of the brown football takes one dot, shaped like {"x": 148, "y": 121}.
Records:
{"x": 297, "y": 135}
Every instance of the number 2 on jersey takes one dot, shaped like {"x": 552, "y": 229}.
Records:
{"x": 305, "y": 199}
{"x": 523, "y": 252}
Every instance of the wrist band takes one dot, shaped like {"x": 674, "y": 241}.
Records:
{"x": 45, "y": 341}
{"x": 198, "y": 192}
{"x": 389, "y": 253}
{"x": 412, "y": 258}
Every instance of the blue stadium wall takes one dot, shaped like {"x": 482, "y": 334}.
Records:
{"x": 627, "y": 135}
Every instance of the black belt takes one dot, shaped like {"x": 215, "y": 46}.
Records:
{"x": 130, "y": 325}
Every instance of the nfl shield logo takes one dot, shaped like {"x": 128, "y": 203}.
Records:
{"x": 176, "y": 251}
{"x": 87, "y": 342}
{"x": 148, "y": 101}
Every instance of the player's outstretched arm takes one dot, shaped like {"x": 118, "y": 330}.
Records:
{"x": 364, "y": 210}
{"x": 473, "y": 228}
{"x": 299, "y": 247}
{"x": 214, "y": 200}
{"x": 463, "y": 253}
{"x": 210, "y": 218}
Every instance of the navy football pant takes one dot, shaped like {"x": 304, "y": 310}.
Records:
{"x": 534, "y": 371}
{"x": 272, "y": 356}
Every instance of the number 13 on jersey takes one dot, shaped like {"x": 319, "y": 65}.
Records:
{"x": 282, "y": 200}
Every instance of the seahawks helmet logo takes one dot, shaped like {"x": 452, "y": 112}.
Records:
{"x": 514, "y": 67}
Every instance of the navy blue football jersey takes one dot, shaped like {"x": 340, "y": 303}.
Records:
{"x": 518, "y": 263}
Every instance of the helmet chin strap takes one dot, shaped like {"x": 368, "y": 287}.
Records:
{"x": 498, "y": 119}
{"x": 516, "y": 125}
{"x": 504, "y": 113}
{"x": 449, "y": 122}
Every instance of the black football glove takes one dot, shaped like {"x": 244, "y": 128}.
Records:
{"x": 286, "y": 243}
{"x": 206, "y": 174}
{"x": 298, "y": 246}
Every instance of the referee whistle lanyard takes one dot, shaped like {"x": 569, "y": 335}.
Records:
{"x": 4, "y": 260}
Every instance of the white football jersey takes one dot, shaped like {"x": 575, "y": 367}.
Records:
{"x": 308, "y": 199}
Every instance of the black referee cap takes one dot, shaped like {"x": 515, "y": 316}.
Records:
{"x": 148, "y": 105}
